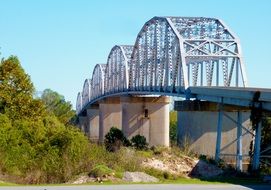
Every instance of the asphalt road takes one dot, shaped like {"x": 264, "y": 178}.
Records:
{"x": 141, "y": 187}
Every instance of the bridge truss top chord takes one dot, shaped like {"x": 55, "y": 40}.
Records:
{"x": 170, "y": 55}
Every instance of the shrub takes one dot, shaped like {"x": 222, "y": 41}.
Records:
{"x": 165, "y": 175}
{"x": 203, "y": 157}
{"x": 100, "y": 171}
{"x": 123, "y": 160}
{"x": 185, "y": 145}
{"x": 139, "y": 142}
{"x": 42, "y": 151}
{"x": 114, "y": 139}
{"x": 162, "y": 175}
{"x": 157, "y": 150}
{"x": 173, "y": 127}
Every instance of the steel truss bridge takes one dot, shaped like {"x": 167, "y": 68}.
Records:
{"x": 192, "y": 57}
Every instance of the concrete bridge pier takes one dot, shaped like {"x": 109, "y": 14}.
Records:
{"x": 83, "y": 123}
{"x": 93, "y": 123}
{"x": 147, "y": 116}
{"x": 219, "y": 131}
{"x": 110, "y": 115}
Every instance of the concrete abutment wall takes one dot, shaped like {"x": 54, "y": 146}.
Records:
{"x": 197, "y": 129}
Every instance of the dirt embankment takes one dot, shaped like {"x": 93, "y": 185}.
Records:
{"x": 166, "y": 161}
{"x": 182, "y": 165}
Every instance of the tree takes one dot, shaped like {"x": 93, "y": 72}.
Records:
{"x": 266, "y": 145}
{"x": 139, "y": 142}
{"x": 35, "y": 147}
{"x": 16, "y": 91}
{"x": 114, "y": 139}
{"x": 56, "y": 104}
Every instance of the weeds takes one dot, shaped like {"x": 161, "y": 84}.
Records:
{"x": 161, "y": 175}
{"x": 100, "y": 171}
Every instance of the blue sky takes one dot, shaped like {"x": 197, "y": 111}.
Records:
{"x": 59, "y": 42}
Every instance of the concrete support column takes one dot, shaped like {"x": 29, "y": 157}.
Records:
{"x": 93, "y": 124}
{"x": 159, "y": 122}
{"x": 134, "y": 121}
{"x": 147, "y": 116}
{"x": 82, "y": 123}
{"x": 110, "y": 115}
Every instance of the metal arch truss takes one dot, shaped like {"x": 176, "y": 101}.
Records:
{"x": 97, "y": 81}
{"x": 170, "y": 54}
{"x": 79, "y": 103}
{"x": 116, "y": 71}
{"x": 86, "y": 93}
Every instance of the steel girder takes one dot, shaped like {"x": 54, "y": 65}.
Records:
{"x": 170, "y": 55}
{"x": 79, "y": 103}
{"x": 97, "y": 85}
{"x": 86, "y": 93}
{"x": 156, "y": 62}
{"x": 116, "y": 71}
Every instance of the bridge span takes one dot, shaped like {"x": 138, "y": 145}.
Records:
{"x": 195, "y": 58}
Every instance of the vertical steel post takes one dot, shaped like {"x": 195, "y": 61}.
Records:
{"x": 219, "y": 131}
{"x": 257, "y": 147}
{"x": 201, "y": 74}
{"x": 217, "y": 73}
{"x": 239, "y": 155}
{"x": 237, "y": 73}
{"x": 188, "y": 74}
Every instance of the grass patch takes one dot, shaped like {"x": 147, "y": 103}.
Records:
{"x": 179, "y": 180}
{"x": 161, "y": 175}
{"x": 100, "y": 171}
{"x": 2, "y": 183}
{"x": 119, "y": 175}
{"x": 145, "y": 154}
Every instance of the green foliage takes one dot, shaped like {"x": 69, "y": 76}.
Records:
{"x": 122, "y": 160}
{"x": 173, "y": 127}
{"x": 114, "y": 139}
{"x": 161, "y": 175}
{"x": 100, "y": 171}
{"x": 5, "y": 127}
{"x": 55, "y": 103}
{"x": 220, "y": 163}
{"x": 16, "y": 91}
{"x": 139, "y": 142}
{"x": 157, "y": 150}
{"x": 36, "y": 146}
{"x": 52, "y": 153}
{"x": 145, "y": 153}
{"x": 166, "y": 175}
{"x": 185, "y": 145}
{"x": 266, "y": 145}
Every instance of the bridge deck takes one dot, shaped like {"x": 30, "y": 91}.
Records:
{"x": 234, "y": 96}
